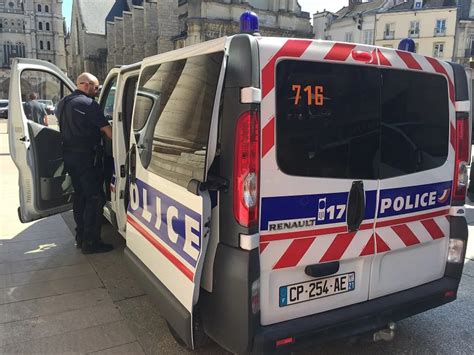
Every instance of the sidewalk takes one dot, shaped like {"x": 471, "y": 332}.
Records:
{"x": 55, "y": 300}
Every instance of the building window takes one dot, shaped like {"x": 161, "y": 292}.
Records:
{"x": 414, "y": 30}
{"x": 438, "y": 50}
{"x": 389, "y": 32}
{"x": 40, "y": 26}
{"x": 48, "y": 45}
{"x": 46, "y": 8}
{"x": 41, "y": 45}
{"x": 39, "y": 8}
{"x": 11, "y": 4}
{"x": 348, "y": 37}
{"x": 47, "y": 26}
{"x": 368, "y": 37}
{"x": 440, "y": 29}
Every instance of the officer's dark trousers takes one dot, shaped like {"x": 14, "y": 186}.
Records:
{"x": 89, "y": 198}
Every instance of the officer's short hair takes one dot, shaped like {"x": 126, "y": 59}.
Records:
{"x": 33, "y": 96}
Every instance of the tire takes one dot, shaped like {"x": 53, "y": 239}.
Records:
{"x": 200, "y": 337}
{"x": 176, "y": 336}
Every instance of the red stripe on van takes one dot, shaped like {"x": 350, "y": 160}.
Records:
{"x": 409, "y": 60}
{"x": 294, "y": 253}
{"x": 406, "y": 235}
{"x": 369, "y": 248}
{"x": 382, "y": 59}
{"x": 452, "y": 137}
{"x": 338, "y": 247}
{"x": 291, "y": 48}
{"x": 302, "y": 234}
{"x": 340, "y": 51}
{"x": 268, "y": 136}
{"x": 419, "y": 217}
{"x": 438, "y": 67}
{"x": 173, "y": 259}
{"x": 433, "y": 229}
{"x": 263, "y": 246}
{"x": 382, "y": 247}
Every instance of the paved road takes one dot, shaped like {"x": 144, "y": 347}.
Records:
{"x": 53, "y": 299}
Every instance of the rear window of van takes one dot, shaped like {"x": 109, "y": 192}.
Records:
{"x": 359, "y": 122}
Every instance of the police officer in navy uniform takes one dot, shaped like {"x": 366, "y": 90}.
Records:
{"x": 81, "y": 123}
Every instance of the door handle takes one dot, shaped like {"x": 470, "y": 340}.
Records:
{"x": 23, "y": 139}
{"x": 132, "y": 164}
{"x": 320, "y": 270}
{"x": 356, "y": 206}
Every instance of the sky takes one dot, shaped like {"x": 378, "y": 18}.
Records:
{"x": 310, "y": 6}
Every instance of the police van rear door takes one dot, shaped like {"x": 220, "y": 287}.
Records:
{"x": 45, "y": 188}
{"x": 168, "y": 217}
{"x": 320, "y": 124}
{"x": 417, "y": 156}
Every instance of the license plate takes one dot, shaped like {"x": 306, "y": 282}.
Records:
{"x": 319, "y": 288}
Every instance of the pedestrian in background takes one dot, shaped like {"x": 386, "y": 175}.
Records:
{"x": 81, "y": 123}
{"x": 35, "y": 111}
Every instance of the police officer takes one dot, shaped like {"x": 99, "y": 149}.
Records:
{"x": 81, "y": 123}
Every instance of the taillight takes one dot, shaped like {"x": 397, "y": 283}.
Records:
{"x": 247, "y": 169}
{"x": 462, "y": 159}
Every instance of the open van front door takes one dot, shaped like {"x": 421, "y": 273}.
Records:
{"x": 35, "y": 89}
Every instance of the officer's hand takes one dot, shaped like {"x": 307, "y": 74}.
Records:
{"x": 107, "y": 130}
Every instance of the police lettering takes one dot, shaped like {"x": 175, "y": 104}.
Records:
{"x": 405, "y": 203}
{"x": 156, "y": 209}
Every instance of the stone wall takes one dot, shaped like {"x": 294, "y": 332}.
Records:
{"x": 138, "y": 46}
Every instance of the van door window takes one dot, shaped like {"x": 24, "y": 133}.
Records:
{"x": 415, "y": 124}
{"x": 328, "y": 119}
{"x": 183, "y": 94}
{"x": 41, "y": 92}
{"x": 108, "y": 101}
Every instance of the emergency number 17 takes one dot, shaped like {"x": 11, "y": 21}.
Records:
{"x": 314, "y": 94}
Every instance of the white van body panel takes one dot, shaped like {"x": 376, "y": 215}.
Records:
{"x": 376, "y": 253}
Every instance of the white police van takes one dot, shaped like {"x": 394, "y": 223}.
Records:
{"x": 274, "y": 192}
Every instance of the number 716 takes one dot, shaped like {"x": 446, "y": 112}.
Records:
{"x": 311, "y": 91}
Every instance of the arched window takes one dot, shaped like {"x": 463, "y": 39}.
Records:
{"x": 41, "y": 45}
{"x": 40, "y": 26}
{"x": 48, "y": 45}
{"x": 39, "y": 8}
{"x": 47, "y": 26}
{"x": 46, "y": 8}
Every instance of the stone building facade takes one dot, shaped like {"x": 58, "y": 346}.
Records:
{"x": 143, "y": 28}
{"x": 87, "y": 44}
{"x": 30, "y": 29}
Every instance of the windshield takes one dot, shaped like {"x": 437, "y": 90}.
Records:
{"x": 4, "y": 104}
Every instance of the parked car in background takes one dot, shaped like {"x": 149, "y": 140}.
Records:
{"x": 48, "y": 105}
{"x": 3, "y": 108}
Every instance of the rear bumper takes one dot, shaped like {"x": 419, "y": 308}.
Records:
{"x": 356, "y": 319}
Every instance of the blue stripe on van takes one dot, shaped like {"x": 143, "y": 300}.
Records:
{"x": 324, "y": 209}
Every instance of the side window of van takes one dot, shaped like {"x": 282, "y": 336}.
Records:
{"x": 172, "y": 117}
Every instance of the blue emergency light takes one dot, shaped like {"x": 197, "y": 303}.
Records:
{"x": 249, "y": 22}
{"x": 407, "y": 44}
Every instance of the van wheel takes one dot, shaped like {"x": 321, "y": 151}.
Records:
{"x": 176, "y": 336}
{"x": 200, "y": 337}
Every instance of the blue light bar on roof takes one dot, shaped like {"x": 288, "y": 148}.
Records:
{"x": 249, "y": 22}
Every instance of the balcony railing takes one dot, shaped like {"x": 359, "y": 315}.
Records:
{"x": 12, "y": 30}
{"x": 439, "y": 32}
{"x": 469, "y": 52}
{"x": 389, "y": 35}
{"x": 11, "y": 11}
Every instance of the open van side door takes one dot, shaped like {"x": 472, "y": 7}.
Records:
{"x": 168, "y": 218}
{"x": 45, "y": 188}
